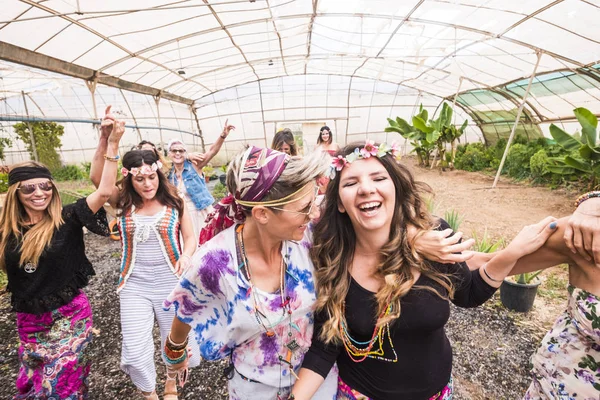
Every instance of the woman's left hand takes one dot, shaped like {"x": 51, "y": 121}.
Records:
{"x": 532, "y": 237}
{"x": 442, "y": 246}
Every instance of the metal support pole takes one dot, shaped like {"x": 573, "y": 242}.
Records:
{"x": 199, "y": 129}
{"x": 157, "y": 101}
{"x": 132, "y": 115}
{"x": 519, "y": 111}
{"x": 31, "y": 137}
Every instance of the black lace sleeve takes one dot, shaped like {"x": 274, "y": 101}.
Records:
{"x": 80, "y": 212}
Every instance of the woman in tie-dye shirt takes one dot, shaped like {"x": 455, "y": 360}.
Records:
{"x": 250, "y": 293}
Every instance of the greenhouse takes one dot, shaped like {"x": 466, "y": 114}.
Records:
{"x": 474, "y": 94}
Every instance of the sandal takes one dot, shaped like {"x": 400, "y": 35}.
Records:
{"x": 151, "y": 396}
{"x": 171, "y": 395}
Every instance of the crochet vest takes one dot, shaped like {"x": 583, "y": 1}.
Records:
{"x": 166, "y": 228}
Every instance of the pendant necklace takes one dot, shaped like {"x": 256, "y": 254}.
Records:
{"x": 289, "y": 342}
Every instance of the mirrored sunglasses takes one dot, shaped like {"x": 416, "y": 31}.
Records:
{"x": 31, "y": 187}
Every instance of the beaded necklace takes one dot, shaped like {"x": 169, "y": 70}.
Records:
{"x": 358, "y": 353}
{"x": 261, "y": 316}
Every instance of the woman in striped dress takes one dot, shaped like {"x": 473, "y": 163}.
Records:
{"x": 151, "y": 220}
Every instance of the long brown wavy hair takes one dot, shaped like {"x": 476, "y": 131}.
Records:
{"x": 335, "y": 242}
{"x": 14, "y": 218}
{"x": 166, "y": 193}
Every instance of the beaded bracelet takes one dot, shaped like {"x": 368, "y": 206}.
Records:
{"x": 109, "y": 158}
{"x": 586, "y": 196}
{"x": 177, "y": 360}
{"x": 171, "y": 345}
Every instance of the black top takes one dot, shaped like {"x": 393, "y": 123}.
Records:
{"x": 424, "y": 353}
{"x": 63, "y": 267}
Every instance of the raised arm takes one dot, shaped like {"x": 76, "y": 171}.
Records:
{"x": 214, "y": 148}
{"x": 106, "y": 186}
{"x": 98, "y": 161}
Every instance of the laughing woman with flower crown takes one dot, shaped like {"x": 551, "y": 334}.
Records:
{"x": 43, "y": 254}
{"x": 381, "y": 310}
{"x": 151, "y": 217}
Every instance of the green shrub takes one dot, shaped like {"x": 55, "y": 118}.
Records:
{"x": 3, "y": 182}
{"x": 219, "y": 191}
{"x": 69, "y": 173}
{"x": 86, "y": 167}
{"x": 472, "y": 159}
{"x": 517, "y": 161}
{"x": 539, "y": 164}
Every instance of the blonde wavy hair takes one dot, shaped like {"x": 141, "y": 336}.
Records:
{"x": 335, "y": 241}
{"x": 14, "y": 217}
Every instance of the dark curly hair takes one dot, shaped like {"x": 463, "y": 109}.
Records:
{"x": 166, "y": 193}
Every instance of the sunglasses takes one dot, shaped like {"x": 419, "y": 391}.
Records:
{"x": 31, "y": 187}
{"x": 316, "y": 201}
{"x": 178, "y": 151}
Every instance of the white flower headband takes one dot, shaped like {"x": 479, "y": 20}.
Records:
{"x": 144, "y": 169}
{"x": 369, "y": 150}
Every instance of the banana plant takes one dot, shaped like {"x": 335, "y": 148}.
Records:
{"x": 419, "y": 139}
{"x": 584, "y": 154}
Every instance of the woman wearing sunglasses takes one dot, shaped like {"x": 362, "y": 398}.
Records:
{"x": 42, "y": 252}
{"x": 186, "y": 175}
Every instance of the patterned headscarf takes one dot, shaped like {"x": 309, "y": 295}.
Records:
{"x": 261, "y": 167}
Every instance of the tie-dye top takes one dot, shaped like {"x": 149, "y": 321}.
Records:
{"x": 213, "y": 297}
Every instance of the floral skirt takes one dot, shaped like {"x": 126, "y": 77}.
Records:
{"x": 567, "y": 363}
{"x": 345, "y": 392}
{"x": 54, "y": 363}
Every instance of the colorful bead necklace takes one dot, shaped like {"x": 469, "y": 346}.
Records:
{"x": 261, "y": 314}
{"x": 359, "y": 354}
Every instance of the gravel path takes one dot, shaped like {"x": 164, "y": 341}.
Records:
{"x": 491, "y": 346}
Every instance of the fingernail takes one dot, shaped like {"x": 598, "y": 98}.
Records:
{"x": 553, "y": 225}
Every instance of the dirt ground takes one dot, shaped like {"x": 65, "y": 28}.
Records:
{"x": 491, "y": 345}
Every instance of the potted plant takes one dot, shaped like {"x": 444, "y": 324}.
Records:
{"x": 208, "y": 170}
{"x": 518, "y": 293}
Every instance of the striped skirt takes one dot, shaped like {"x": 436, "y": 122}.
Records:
{"x": 53, "y": 360}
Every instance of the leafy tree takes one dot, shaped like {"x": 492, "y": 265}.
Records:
{"x": 47, "y": 141}
{"x": 4, "y": 143}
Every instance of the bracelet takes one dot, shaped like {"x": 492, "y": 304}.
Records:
{"x": 586, "y": 196}
{"x": 489, "y": 277}
{"x": 175, "y": 361}
{"x": 113, "y": 159}
{"x": 171, "y": 345}
{"x": 223, "y": 136}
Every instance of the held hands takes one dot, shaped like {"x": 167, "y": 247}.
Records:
{"x": 440, "y": 247}
{"x": 582, "y": 233}
{"x": 531, "y": 237}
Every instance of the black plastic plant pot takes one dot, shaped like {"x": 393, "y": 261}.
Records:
{"x": 222, "y": 179}
{"x": 518, "y": 296}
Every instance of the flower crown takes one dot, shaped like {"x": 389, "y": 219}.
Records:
{"x": 369, "y": 150}
{"x": 144, "y": 169}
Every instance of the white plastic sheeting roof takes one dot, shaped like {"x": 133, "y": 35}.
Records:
{"x": 347, "y": 63}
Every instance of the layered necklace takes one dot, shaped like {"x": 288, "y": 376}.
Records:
{"x": 260, "y": 311}
{"x": 360, "y": 351}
